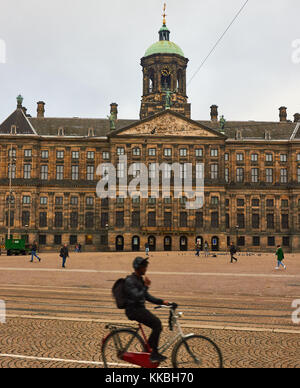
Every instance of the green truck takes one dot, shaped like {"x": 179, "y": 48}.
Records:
{"x": 17, "y": 247}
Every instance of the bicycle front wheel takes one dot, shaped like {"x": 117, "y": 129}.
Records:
{"x": 197, "y": 351}
{"x": 116, "y": 344}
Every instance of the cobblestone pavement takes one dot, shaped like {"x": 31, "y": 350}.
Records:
{"x": 56, "y": 318}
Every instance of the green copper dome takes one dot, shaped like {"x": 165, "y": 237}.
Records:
{"x": 164, "y": 47}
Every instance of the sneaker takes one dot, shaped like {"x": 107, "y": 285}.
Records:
{"x": 156, "y": 357}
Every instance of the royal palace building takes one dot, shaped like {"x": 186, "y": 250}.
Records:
{"x": 50, "y": 170}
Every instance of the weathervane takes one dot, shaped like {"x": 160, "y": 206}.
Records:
{"x": 164, "y": 15}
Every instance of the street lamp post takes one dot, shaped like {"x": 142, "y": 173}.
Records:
{"x": 11, "y": 159}
{"x": 237, "y": 236}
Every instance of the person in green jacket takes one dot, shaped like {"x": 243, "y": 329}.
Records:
{"x": 280, "y": 257}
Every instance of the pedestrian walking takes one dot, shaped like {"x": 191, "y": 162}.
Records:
{"x": 232, "y": 253}
{"x": 206, "y": 249}
{"x": 64, "y": 253}
{"x": 147, "y": 248}
{"x": 280, "y": 257}
{"x": 34, "y": 249}
{"x": 198, "y": 249}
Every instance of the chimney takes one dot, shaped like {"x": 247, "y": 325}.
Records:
{"x": 214, "y": 113}
{"x": 114, "y": 109}
{"x": 283, "y": 114}
{"x": 41, "y": 109}
{"x": 296, "y": 117}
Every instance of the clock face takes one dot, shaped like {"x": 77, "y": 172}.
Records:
{"x": 165, "y": 72}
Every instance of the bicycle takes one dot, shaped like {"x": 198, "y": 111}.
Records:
{"x": 124, "y": 347}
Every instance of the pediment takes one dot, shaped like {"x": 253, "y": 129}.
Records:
{"x": 168, "y": 124}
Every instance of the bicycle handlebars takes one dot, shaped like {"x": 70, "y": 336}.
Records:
{"x": 172, "y": 307}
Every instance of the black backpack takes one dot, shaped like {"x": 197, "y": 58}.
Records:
{"x": 119, "y": 293}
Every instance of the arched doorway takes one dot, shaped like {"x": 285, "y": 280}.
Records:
{"x": 119, "y": 243}
{"x": 168, "y": 243}
{"x": 135, "y": 243}
{"x": 215, "y": 244}
{"x": 199, "y": 241}
{"x": 183, "y": 243}
{"x": 152, "y": 243}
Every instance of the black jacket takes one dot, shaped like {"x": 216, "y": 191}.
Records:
{"x": 64, "y": 252}
{"x": 137, "y": 293}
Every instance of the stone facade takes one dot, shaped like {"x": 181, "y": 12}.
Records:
{"x": 251, "y": 172}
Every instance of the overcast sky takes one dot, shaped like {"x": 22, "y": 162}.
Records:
{"x": 80, "y": 55}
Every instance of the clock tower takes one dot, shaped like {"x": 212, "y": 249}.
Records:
{"x": 164, "y": 77}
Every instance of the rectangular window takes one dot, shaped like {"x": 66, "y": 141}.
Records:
{"x": 270, "y": 221}
{"x": 60, "y": 154}
{"x": 199, "y": 171}
{"x": 59, "y": 201}
{"x": 283, "y": 158}
{"x": 45, "y": 154}
{"x": 214, "y": 152}
{"x": 104, "y": 220}
{"x": 89, "y": 220}
{"x": 26, "y": 200}
{"x": 269, "y": 175}
{"x": 75, "y": 173}
{"x": 183, "y": 152}
{"x": 199, "y": 152}
{"x": 136, "y": 151}
{"x": 240, "y": 202}
{"x": 241, "y": 220}
{"x": 90, "y": 173}
{"x": 270, "y": 202}
{"x": 74, "y": 201}
{"x": 120, "y": 219}
{"x": 27, "y": 153}
{"x": 44, "y": 172}
{"x": 152, "y": 152}
{"x": 183, "y": 219}
{"x": 269, "y": 157}
{"x": 89, "y": 201}
{"x": 57, "y": 239}
{"x": 285, "y": 221}
{"x": 10, "y": 215}
{"x": 255, "y": 221}
{"x": 136, "y": 219}
{"x": 239, "y": 157}
{"x": 199, "y": 220}
{"x": 284, "y": 203}
{"x": 42, "y": 239}
{"x": 168, "y": 219}
{"x": 254, "y": 175}
{"x": 43, "y": 219}
{"x": 152, "y": 219}
{"x": 226, "y": 175}
{"x": 240, "y": 175}
{"x": 271, "y": 241}
{"x": 43, "y": 201}
{"x": 74, "y": 220}
{"x": 215, "y": 220}
{"x": 286, "y": 241}
{"x": 105, "y": 155}
{"x": 58, "y": 220}
{"x": 226, "y": 157}
{"x": 12, "y": 168}
{"x": 27, "y": 171}
{"x": 227, "y": 220}
{"x": 168, "y": 152}
{"x": 256, "y": 241}
{"x": 73, "y": 240}
{"x": 120, "y": 151}
{"x": 59, "y": 173}
{"x": 25, "y": 218}
{"x": 255, "y": 202}
{"x": 283, "y": 175}
{"x": 214, "y": 201}
{"x": 90, "y": 155}
{"x": 75, "y": 155}
{"x": 214, "y": 171}
{"x": 120, "y": 170}
{"x": 254, "y": 157}
{"x": 298, "y": 175}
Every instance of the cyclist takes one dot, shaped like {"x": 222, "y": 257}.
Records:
{"x": 136, "y": 291}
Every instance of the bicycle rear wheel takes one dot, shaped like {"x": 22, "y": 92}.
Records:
{"x": 118, "y": 342}
{"x": 197, "y": 351}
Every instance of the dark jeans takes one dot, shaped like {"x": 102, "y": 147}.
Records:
{"x": 148, "y": 319}
{"x": 64, "y": 258}
{"x": 232, "y": 257}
